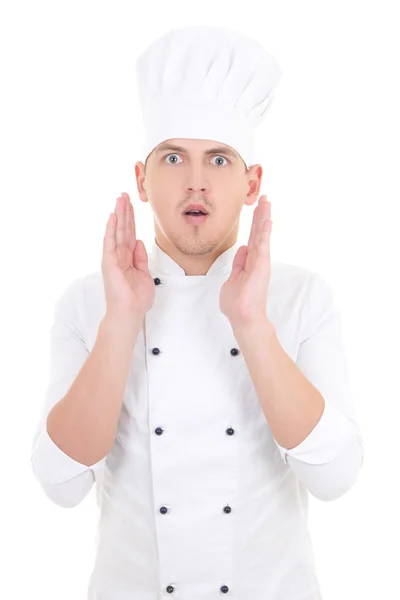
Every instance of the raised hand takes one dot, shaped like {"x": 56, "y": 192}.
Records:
{"x": 128, "y": 285}
{"x": 243, "y": 297}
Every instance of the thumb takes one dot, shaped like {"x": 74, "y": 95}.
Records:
{"x": 140, "y": 258}
{"x": 239, "y": 260}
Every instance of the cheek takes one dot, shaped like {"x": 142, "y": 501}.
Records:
{"x": 165, "y": 202}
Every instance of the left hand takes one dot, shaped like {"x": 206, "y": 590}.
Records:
{"x": 243, "y": 297}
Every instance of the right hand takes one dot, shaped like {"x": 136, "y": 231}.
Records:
{"x": 128, "y": 291}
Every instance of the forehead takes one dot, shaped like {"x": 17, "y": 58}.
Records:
{"x": 190, "y": 145}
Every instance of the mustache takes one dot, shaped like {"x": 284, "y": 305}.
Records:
{"x": 197, "y": 200}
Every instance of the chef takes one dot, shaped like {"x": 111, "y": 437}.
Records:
{"x": 237, "y": 404}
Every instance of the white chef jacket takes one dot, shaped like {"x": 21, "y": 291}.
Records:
{"x": 196, "y": 497}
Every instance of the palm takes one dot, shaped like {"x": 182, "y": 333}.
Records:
{"x": 244, "y": 294}
{"x": 127, "y": 281}
{"x": 136, "y": 285}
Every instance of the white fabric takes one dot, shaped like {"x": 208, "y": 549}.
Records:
{"x": 205, "y": 82}
{"x": 195, "y": 389}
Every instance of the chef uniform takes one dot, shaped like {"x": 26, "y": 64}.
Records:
{"x": 196, "y": 498}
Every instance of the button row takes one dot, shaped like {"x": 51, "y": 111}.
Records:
{"x": 224, "y": 589}
{"x": 160, "y": 430}
{"x": 227, "y": 509}
{"x": 234, "y": 351}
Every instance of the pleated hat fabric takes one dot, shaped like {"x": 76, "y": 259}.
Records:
{"x": 205, "y": 82}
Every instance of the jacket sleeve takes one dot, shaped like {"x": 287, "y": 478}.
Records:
{"x": 330, "y": 458}
{"x": 64, "y": 480}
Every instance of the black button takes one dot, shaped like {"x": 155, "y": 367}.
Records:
{"x": 234, "y": 351}
{"x": 230, "y": 431}
{"x": 163, "y": 510}
{"x": 157, "y": 281}
{"x": 156, "y": 351}
{"x": 224, "y": 589}
{"x": 159, "y": 431}
{"x": 170, "y": 589}
{"x": 227, "y": 509}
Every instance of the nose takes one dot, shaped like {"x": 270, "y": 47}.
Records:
{"x": 196, "y": 180}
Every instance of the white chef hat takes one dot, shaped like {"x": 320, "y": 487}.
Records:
{"x": 205, "y": 82}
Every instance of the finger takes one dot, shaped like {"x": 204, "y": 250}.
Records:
{"x": 130, "y": 228}
{"x": 264, "y": 245}
{"x": 251, "y": 244}
{"x": 109, "y": 237}
{"x": 120, "y": 212}
{"x": 266, "y": 232}
{"x": 264, "y": 218}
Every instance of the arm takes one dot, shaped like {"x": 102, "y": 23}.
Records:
{"x": 308, "y": 404}
{"x": 83, "y": 401}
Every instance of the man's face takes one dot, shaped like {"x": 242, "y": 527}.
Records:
{"x": 196, "y": 173}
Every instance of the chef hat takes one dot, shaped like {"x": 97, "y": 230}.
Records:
{"x": 204, "y": 82}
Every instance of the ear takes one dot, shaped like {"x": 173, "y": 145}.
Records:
{"x": 254, "y": 178}
{"x": 140, "y": 181}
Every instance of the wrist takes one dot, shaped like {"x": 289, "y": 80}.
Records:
{"x": 122, "y": 322}
{"x": 253, "y": 326}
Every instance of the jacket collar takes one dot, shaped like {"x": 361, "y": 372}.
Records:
{"x": 161, "y": 262}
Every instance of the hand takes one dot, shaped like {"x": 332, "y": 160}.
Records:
{"x": 243, "y": 297}
{"x": 128, "y": 291}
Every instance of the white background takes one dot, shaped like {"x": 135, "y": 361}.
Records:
{"x": 70, "y": 137}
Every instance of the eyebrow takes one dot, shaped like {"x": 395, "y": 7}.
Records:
{"x": 216, "y": 150}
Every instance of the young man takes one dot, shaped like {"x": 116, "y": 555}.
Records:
{"x": 203, "y": 388}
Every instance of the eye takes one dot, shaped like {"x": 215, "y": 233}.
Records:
{"x": 174, "y": 154}
{"x": 171, "y": 155}
{"x": 222, "y": 158}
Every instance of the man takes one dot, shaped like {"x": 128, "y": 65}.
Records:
{"x": 203, "y": 389}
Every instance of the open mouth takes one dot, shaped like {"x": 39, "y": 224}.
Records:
{"x": 195, "y": 216}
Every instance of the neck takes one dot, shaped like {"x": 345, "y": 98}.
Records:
{"x": 194, "y": 256}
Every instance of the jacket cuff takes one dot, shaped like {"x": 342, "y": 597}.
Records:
{"x": 51, "y": 465}
{"x": 326, "y": 441}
